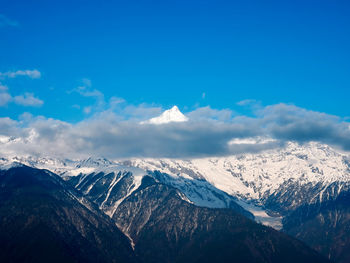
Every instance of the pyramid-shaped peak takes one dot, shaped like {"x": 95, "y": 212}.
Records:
{"x": 174, "y": 108}
{"x": 171, "y": 115}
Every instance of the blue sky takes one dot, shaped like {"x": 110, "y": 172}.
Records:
{"x": 172, "y": 52}
{"x": 87, "y": 71}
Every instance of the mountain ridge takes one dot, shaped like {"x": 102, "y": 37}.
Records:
{"x": 268, "y": 183}
{"x": 43, "y": 219}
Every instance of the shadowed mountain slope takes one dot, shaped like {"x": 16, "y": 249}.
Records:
{"x": 166, "y": 228}
{"x": 43, "y": 219}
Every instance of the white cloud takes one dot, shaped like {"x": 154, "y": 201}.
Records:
{"x": 141, "y": 111}
{"x": 86, "y": 82}
{"x": 247, "y": 102}
{"x": 28, "y": 99}
{"x": 33, "y": 74}
{"x": 87, "y": 110}
{"x": 112, "y": 134}
{"x": 86, "y": 91}
{"x": 208, "y": 113}
{"x": 3, "y": 88}
{"x": 5, "y": 98}
{"x": 92, "y": 93}
{"x": 115, "y": 101}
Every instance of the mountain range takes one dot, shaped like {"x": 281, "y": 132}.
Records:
{"x": 267, "y": 206}
{"x": 43, "y": 218}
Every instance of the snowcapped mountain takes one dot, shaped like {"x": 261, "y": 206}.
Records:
{"x": 171, "y": 115}
{"x": 262, "y": 177}
{"x": 155, "y": 223}
{"x": 268, "y": 184}
{"x": 68, "y": 168}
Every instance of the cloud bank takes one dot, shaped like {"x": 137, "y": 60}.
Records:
{"x": 209, "y": 132}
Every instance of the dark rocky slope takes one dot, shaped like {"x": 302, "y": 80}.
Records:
{"x": 324, "y": 226}
{"x": 42, "y": 219}
{"x": 165, "y": 228}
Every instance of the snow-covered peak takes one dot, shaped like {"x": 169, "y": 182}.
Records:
{"x": 171, "y": 115}
{"x": 94, "y": 162}
{"x": 257, "y": 175}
